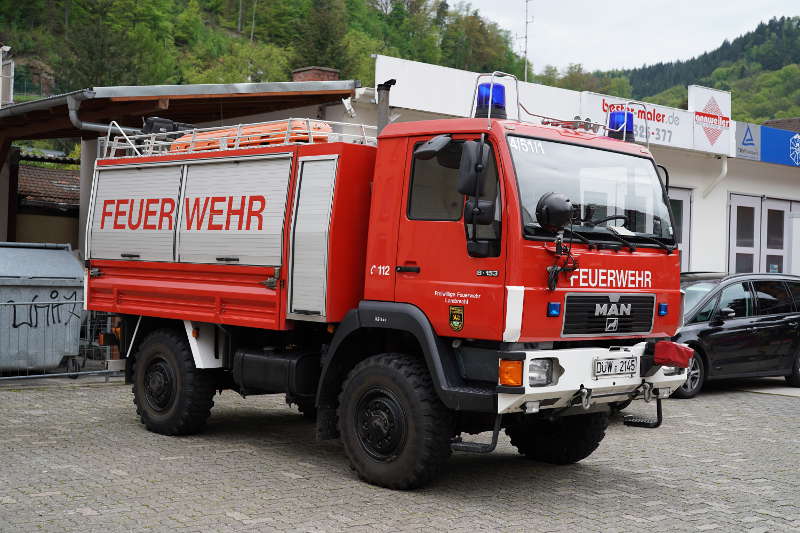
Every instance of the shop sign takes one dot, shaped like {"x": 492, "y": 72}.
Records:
{"x": 748, "y": 141}
{"x": 667, "y": 126}
{"x": 711, "y": 117}
{"x": 780, "y": 146}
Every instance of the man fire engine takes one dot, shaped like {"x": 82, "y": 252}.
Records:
{"x": 449, "y": 277}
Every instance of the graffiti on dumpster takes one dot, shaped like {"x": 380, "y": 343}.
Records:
{"x": 60, "y": 309}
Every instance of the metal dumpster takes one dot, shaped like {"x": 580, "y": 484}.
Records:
{"x": 41, "y": 300}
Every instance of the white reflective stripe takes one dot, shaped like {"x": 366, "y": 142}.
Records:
{"x": 203, "y": 346}
{"x": 515, "y": 297}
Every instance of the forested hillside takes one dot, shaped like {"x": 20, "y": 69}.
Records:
{"x": 107, "y": 42}
{"x": 61, "y": 45}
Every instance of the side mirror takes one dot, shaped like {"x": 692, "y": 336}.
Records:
{"x": 726, "y": 313}
{"x": 431, "y": 147}
{"x": 554, "y": 211}
{"x": 482, "y": 214}
{"x": 469, "y": 176}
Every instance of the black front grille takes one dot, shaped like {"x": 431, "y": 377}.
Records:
{"x": 598, "y": 315}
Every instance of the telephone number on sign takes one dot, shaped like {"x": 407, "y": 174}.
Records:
{"x": 656, "y": 134}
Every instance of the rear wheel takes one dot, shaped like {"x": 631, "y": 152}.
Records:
{"x": 172, "y": 397}
{"x": 395, "y": 430}
{"x": 695, "y": 378}
{"x": 793, "y": 379}
{"x": 562, "y": 441}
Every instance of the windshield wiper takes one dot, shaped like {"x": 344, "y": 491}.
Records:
{"x": 616, "y": 236}
{"x": 530, "y": 229}
{"x": 666, "y": 247}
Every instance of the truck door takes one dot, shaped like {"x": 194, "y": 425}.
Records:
{"x": 462, "y": 296}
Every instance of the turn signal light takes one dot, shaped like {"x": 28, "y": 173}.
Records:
{"x": 510, "y": 373}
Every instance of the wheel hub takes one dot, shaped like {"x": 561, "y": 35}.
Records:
{"x": 380, "y": 420}
{"x": 159, "y": 385}
{"x": 693, "y": 376}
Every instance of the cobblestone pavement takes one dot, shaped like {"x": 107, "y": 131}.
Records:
{"x": 74, "y": 458}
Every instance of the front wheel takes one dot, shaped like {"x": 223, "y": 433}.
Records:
{"x": 695, "y": 378}
{"x": 562, "y": 441}
{"x": 395, "y": 430}
{"x": 172, "y": 397}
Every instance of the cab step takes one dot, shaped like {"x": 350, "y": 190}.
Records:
{"x": 644, "y": 421}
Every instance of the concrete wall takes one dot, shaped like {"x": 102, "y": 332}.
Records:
{"x": 47, "y": 228}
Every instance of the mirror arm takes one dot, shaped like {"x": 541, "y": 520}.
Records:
{"x": 477, "y": 196}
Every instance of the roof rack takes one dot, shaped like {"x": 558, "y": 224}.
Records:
{"x": 239, "y": 137}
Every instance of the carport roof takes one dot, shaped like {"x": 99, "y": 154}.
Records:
{"x": 48, "y": 117}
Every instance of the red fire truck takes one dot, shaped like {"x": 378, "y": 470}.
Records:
{"x": 449, "y": 277}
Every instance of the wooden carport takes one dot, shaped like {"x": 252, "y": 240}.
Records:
{"x": 83, "y": 114}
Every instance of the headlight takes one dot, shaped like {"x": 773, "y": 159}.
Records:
{"x": 540, "y": 372}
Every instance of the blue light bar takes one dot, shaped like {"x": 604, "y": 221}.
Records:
{"x": 497, "y": 93}
{"x": 616, "y": 119}
{"x": 662, "y": 309}
{"x": 553, "y": 308}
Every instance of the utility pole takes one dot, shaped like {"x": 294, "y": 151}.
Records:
{"x": 527, "y": 22}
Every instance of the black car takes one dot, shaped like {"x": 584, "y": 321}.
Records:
{"x": 742, "y": 325}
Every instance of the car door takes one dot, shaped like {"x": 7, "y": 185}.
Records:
{"x": 462, "y": 296}
{"x": 777, "y": 324}
{"x": 729, "y": 341}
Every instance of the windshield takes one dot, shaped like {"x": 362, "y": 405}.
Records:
{"x": 600, "y": 184}
{"x": 694, "y": 292}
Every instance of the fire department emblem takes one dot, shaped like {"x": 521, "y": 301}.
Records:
{"x": 612, "y": 324}
{"x": 456, "y": 317}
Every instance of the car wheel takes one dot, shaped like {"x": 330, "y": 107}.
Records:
{"x": 696, "y": 377}
{"x": 793, "y": 379}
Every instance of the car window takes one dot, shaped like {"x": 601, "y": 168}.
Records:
{"x": 772, "y": 297}
{"x": 705, "y": 312}
{"x": 794, "y": 287}
{"x": 694, "y": 292}
{"x": 738, "y": 298}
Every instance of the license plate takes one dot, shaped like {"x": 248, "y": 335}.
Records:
{"x": 616, "y": 367}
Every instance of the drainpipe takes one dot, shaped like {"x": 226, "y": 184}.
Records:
{"x": 74, "y": 103}
{"x": 383, "y": 104}
{"x": 722, "y": 173}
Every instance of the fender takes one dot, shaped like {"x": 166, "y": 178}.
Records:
{"x": 439, "y": 356}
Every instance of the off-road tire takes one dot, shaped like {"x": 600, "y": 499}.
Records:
{"x": 562, "y": 441}
{"x": 183, "y": 404}
{"x": 394, "y": 391}
{"x": 793, "y": 379}
{"x": 695, "y": 379}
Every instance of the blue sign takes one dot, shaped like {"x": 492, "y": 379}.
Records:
{"x": 780, "y": 146}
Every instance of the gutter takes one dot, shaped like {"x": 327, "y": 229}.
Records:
{"x": 74, "y": 103}
{"x": 722, "y": 174}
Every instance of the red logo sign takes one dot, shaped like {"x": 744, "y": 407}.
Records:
{"x": 712, "y": 120}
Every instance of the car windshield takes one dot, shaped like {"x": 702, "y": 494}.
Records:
{"x": 605, "y": 188}
{"x": 694, "y": 292}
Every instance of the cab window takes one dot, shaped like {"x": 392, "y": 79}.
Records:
{"x": 434, "y": 182}
{"x": 772, "y": 297}
{"x": 739, "y": 298}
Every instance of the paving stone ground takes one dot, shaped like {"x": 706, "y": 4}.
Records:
{"x": 73, "y": 457}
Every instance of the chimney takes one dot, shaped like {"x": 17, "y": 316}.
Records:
{"x": 315, "y": 74}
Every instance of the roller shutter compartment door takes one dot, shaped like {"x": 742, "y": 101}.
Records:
{"x": 233, "y": 212}
{"x": 310, "y": 229}
{"x": 134, "y": 212}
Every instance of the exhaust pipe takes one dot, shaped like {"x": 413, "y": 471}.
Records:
{"x": 383, "y": 103}
{"x": 74, "y": 103}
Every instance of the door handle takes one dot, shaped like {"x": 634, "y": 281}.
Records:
{"x": 793, "y": 324}
{"x": 408, "y": 269}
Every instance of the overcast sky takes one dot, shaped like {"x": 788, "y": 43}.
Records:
{"x": 627, "y": 33}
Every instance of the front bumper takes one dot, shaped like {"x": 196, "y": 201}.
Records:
{"x": 573, "y": 371}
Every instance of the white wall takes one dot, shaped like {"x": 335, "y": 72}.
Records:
{"x": 710, "y": 231}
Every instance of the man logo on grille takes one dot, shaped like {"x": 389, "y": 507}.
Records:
{"x": 611, "y": 324}
{"x": 612, "y": 310}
